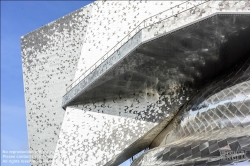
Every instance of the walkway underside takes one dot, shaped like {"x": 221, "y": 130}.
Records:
{"x": 191, "y": 56}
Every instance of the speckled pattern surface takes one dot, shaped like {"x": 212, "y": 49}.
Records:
{"x": 110, "y": 22}
{"x": 49, "y": 58}
{"x": 113, "y": 125}
{"x": 101, "y": 131}
{"x": 125, "y": 24}
{"x": 87, "y": 143}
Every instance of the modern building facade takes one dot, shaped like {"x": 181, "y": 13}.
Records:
{"x": 116, "y": 77}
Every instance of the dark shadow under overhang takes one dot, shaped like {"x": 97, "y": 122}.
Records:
{"x": 192, "y": 56}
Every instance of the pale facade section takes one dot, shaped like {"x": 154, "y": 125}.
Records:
{"x": 49, "y": 57}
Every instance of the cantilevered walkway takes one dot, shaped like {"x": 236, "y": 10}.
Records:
{"x": 181, "y": 44}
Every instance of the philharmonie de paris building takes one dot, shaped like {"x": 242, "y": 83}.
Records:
{"x": 156, "y": 83}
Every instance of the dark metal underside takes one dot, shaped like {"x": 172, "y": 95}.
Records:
{"x": 192, "y": 56}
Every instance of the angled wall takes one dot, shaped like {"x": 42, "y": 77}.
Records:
{"x": 49, "y": 57}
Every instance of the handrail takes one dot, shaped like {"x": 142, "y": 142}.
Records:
{"x": 121, "y": 42}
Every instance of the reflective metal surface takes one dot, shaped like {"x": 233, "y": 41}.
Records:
{"x": 213, "y": 128}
